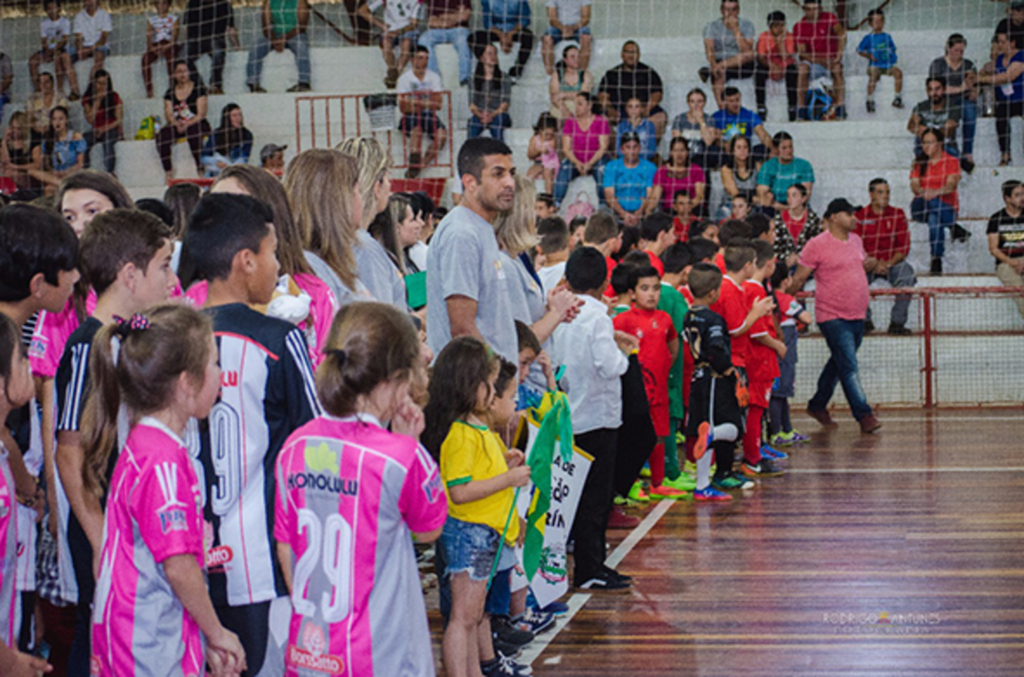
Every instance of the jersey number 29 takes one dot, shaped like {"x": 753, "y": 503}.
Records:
{"x": 330, "y": 544}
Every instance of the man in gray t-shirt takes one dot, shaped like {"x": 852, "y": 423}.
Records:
{"x": 467, "y": 283}
{"x": 729, "y": 45}
{"x": 935, "y": 113}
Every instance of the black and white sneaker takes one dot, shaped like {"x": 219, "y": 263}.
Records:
{"x": 504, "y": 630}
{"x": 503, "y": 666}
{"x": 603, "y": 582}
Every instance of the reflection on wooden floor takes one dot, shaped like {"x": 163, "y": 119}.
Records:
{"x": 900, "y": 553}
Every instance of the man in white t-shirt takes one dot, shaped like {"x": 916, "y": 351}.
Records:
{"x": 55, "y": 36}
{"x": 419, "y": 99}
{"x": 92, "y": 34}
{"x": 401, "y": 23}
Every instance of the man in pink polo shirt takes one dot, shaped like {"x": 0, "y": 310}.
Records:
{"x": 838, "y": 261}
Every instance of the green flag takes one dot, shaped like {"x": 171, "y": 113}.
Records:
{"x": 555, "y": 430}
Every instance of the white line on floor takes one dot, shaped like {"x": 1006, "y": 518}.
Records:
{"x": 896, "y": 471}
{"x": 934, "y": 416}
{"x": 577, "y": 600}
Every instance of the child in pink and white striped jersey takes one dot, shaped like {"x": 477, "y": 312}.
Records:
{"x": 349, "y": 494}
{"x": 151, "y": 609}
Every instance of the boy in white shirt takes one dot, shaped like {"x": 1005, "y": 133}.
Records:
{"x": 92, "y": 33}
{"x": 595, "y": 357}
{"x": 419, "y": 99}
{"x": 54, "y": 33}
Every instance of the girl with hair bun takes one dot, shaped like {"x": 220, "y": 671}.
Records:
{"x": 350, "y": 493}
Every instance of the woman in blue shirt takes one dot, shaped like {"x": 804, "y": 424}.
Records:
{"x": 230, "y": 143}
{"x": 61, "y": 153}
{"x": 1008, "y": 79}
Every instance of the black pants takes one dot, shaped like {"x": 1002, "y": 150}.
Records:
{"x": 480, "y": 39}
{"x": 81, "y": 558}
{"x": 595, "y": 503}
{"x": 761, "y": 83}
{"x": 1005, "y": 110}
{"x": 251, "y": 622}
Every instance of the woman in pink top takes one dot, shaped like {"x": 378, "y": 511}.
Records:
{"x": 679, "y": 173}
{"x": 16, "y": 388}
{"x": 350, "y": 492}
{"x": 316, "y": 322}
{"x": 585, "y": 143}
{"x": 152, "y": 610}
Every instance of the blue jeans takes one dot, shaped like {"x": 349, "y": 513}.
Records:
{"x": 499, "y": 123}
{"x": 567, "y": 172}
{"x": 456, "y": 36}
{"x": 939, "y": 216}
{"x": 968, "y": 123}
{"x": 109, "y": 140}
{"x": 843, "y": 338}
{"x": 299, "y": 46}
{"x": 900, "y": 275}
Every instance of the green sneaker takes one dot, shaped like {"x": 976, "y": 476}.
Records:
{"x": 782, "y": 440}
{"x": 638, "y": 493}
{"x": 683, "y": 483}
{"x": 625, "y": 502}
{"x": 733, "y": 481}
{"x": 690, "y": 468}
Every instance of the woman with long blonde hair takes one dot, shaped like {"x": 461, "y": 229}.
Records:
{"x": 376, "y": 271}
{"x": 327, "y": 207}
{"x": 516, "y": 231}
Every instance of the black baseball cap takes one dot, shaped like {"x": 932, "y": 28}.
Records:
{"x": 839, "y": 205}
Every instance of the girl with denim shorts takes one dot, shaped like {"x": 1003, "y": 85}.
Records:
{"x": 480, "y": 485}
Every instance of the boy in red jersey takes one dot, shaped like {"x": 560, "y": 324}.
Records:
{"x": 739, "y": 315}
{"x": 765, "y": 350}
{"x": 659, "y": 345}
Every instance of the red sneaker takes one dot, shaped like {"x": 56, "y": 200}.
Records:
{"x": 618, "y": 519}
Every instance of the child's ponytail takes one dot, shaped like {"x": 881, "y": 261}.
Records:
{"x": 138, "y": 361}
{"x": 459, "y": 370}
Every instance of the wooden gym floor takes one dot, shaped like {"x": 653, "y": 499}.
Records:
{"x": 900, "y": 553}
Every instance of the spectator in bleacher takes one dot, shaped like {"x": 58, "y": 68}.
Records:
{"x": 586, "y": 140}
{"x": 628, "y": 182}
{"x": 542, "y": 151}
{"x": 679, "y": 173}
{"x": 880, "y": 51}
{"x": 229, "y": 144}
{"x": 54, "y": 34}
{"x": 505, "y": 22}
{"x": 780, "y": 172}
{"x": 490, "y": 93}
{"x": 40, "y": 103}
{"x": 961, "y": 78}
{"x": 92, "y": 32}
{"x": 6, "y": 80}
{"x": 161, "y": 42}
{"x": 1006, "y": 239}
{"x": 883, "y": 230}
{"x": 739, "y": 175}
{"x": 209, "y": 25}
{"x": 569, "y": 20}
{"x": 633, "y": 78}
{"x": 1013, "y": 23}
{"x": 776, "y": 60}
{"x": 185, "y": 115}
{"x": 794, "y": 224}
{"x": 402, "y": 24}
{"x": 934, "y": 178}
{"x": 729, "y": 47}
{"x": 272, "y": 159}
{"x": 635, "y": 122}
{"x": 16, "y": 152}
{"x": 419, "y": 99}
{"x": 841, "y": 298}
{"x": 735, "y": 120}
{"x": 62, "y": 152}
{"x": 104, "y": 110}
{"x": 935, "y": 113}
{"x": 702, "y": 137}
{"x": 448, "y": 22}
{"x": 1008, "y": 77}
{"x": 820, "y": 41}
{"x": 567, "y": 80}
{"x": 284, "y": 25}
